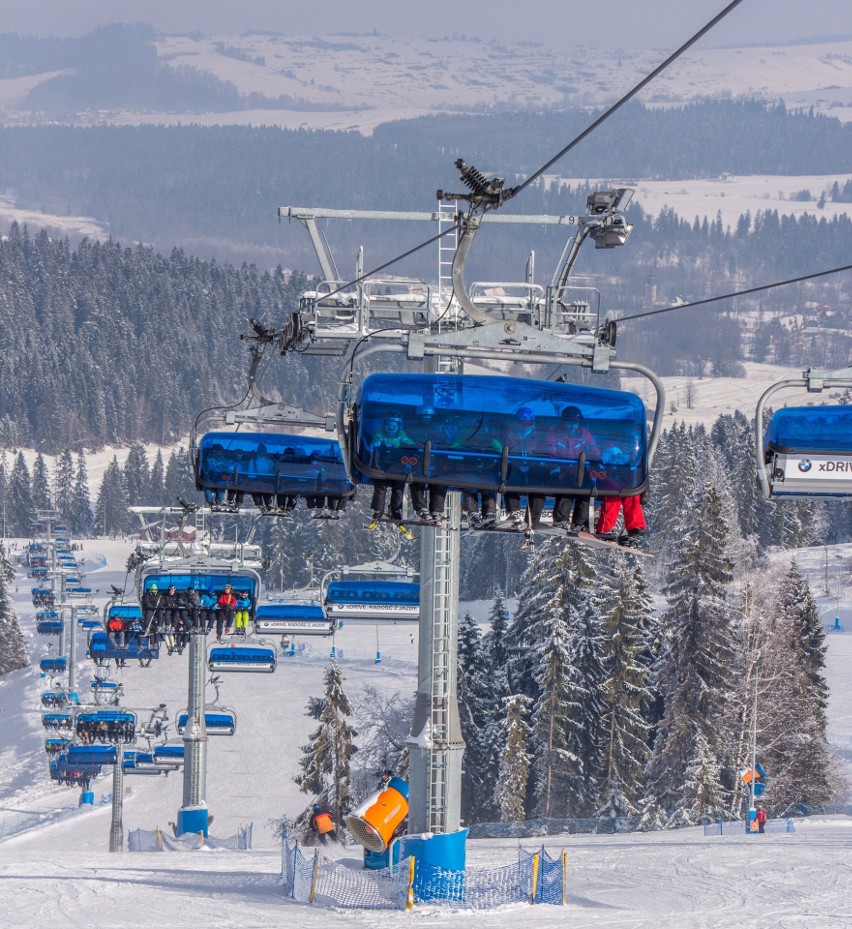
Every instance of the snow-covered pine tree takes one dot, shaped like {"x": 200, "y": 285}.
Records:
{"x": 325, "y": 764}
{"x": 475, "y": 700}
{"x": 588, "y": 732}
{"x": 495, "y": 660}
{"x": 792, "y": 699}
{"x": 553, "y": 714}
{"x": 82, "y": 520}
{"x": 111, "y": 514}
{"x": 137, "y": 475}
{"x": 63, "y": 485}
{"x": 20, "y": 509}
{"x": 13, "y": 649}
{"x": 156, "y": 491}
{"x": 179, "y": 480}
{"x": 807, "y": 635}
{"x": 627, "y": 618}
{"x": 686, "y": 774}
{"x": 510, "y": 791}
{"x": 41, "y": 484}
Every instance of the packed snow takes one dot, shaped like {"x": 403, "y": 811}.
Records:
{"x": 56, "y": 869}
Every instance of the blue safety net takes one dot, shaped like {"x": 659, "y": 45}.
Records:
{"x": 812, "y": 429}
{"x": 500, "y": 433}
{"x": 271, "y": 463}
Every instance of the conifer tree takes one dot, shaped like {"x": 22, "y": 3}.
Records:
{"x": 20, "y": 510}
{"x": 82, "y": 521}
{"x": 13, "y": 649}
{"x": 325, "y": 764}
{"x": 137, "y": 475}
{"x": 514, "y": 761}
{"x": 475, "y": 701}
{"x": 626, "y": 624}
{"x": 111, "y": 514}
{"x": 156, "y": 491}
{"x": 179, "y": 480}
{"x": 687, "y": 774}
{"x": 63, "y": 486}
{"x": 41, "y": 485}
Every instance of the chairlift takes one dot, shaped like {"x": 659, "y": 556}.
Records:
{"x": 55, "y": 746}
{"x": 102, "y": 651}
{"x": 503, "y": 434}
{"x": 102, "y": 724}
{"x": 75, "y": 776}
{"x": 242, "y": 656}
{"x": 292, "y": 618}
{"x": 54, "y": 665}
{"x": 91, "y": 755}
{"x": 44, "y": 596}
{"x": 217, "y": 721}
{"x": 372, "y": 601}
{"x": 59, "y": 698}
{"x": 49, "y": 624}
{"x": 270, "y": 465}
{"x": 62, "y": 721}
{"x": 805, "y": 451}
{"x": 169, "y": 752}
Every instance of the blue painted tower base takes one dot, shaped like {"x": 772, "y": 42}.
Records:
{"x": 377, "y": 861}
{"x": 87, "y": 796}
{"x": 192, "y": 819}
{"x": 440, "y": 864}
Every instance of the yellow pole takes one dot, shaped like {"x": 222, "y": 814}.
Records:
{"x": 314, "y": 877}
{"x": 410, "y": 902}
{"x": 159, "y": 839}
{"x": 201, "y": 839}
{"x": 564, "y": 877}
{"x": 535, "y": 877}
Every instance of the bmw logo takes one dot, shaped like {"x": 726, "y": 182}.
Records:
{"x": 804, "y": 465}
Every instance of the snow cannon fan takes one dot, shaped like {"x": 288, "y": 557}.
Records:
{"x": 372, "y": 824}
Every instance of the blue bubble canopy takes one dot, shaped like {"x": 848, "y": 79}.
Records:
{"x": 808, "y": 451}
{"x": 503, "y": 434}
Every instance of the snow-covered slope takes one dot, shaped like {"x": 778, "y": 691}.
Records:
{"x": 58, "y": 872}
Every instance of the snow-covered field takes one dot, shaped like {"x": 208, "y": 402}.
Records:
{"x": 58, "y": 872}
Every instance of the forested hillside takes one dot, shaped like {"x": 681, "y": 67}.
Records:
{"x": 215, "y": 191}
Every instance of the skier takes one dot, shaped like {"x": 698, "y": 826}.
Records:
{"x": 323, "y": 825}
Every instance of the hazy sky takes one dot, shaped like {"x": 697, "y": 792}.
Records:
{"x": 611, "y": 24}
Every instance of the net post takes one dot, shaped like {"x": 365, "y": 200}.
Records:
{"x": 534, "y": 877}
{"x": 409, "y": 902}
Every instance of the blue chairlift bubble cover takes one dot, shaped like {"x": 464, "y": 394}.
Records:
{"x": 242, "y": 657}
{"x": 49, "y": 626}
{"x": 374, "y": 592}
{"x": 268, "y": 462}
{"x": 214, "y": 720}
{"x": 100, "y": 648}
{"x": 811, "y": 429}
{"x": 203, "y": 581}
{"x": 289, "y": 611}
{"x": 53, "y": 664}
{"x": 91, "y": 754}
{"x": 472, "y": 419}
{"x": 124, "y": 611}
